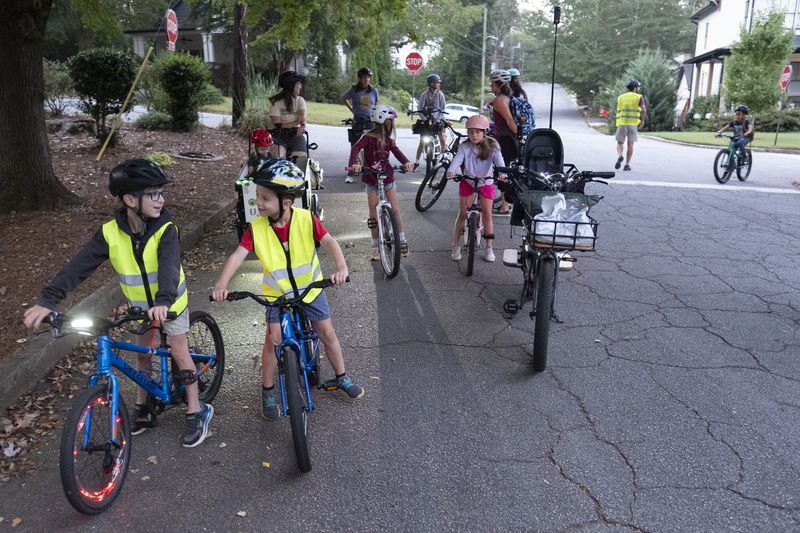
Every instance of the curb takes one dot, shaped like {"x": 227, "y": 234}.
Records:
{"x": 20, "y": 372}
{"x": 717, "y": 147}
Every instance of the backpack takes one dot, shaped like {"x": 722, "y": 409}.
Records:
{"x": 523, "y": 114}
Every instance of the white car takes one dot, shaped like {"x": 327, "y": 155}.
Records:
{"x": 460, "y": 112}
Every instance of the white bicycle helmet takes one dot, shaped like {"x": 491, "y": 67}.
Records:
{"x": 381, "y": 112}
{"x": 500, "y": 75}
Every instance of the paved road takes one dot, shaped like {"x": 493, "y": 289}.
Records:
{"x": 670, "y": 401}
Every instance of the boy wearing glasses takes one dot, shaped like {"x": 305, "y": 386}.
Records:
{"x": 142, "y": 244}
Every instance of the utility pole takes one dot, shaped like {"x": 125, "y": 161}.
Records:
{"x": 483, "y": 57}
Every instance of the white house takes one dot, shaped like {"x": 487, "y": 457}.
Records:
{"x": 718, "y": 25}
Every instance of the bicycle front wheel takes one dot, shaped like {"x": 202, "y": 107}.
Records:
{"x": 544, "y": 306}
{"x": 722, "y": 170}
{"x": 208, "y": 353}
{"x": 431, "y": 188}
{"x": 390, "y": 241}
{"x": 472, "y": 241}
{"x": 298, "y": 407}
{"x": 430, "y": 157}
{"x": 93, "y": 467}
{"x": 743, "y": 170}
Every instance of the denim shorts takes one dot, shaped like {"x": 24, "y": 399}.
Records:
{"x": 316, "y": 310}
{"x": 374, "y": 188}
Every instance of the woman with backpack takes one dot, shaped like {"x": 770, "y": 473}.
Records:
{"x": 505, "y": 127}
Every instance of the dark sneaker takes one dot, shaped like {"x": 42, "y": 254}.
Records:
{"x": 143, "y": 418}
{"x": 269, "y": 405}
{"x": 619, "y": 162}
{"x": 197, "y": 426}
{"x": 626, "y": 167}
{"x": 351, "y": 389}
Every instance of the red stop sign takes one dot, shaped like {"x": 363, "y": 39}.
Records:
{"x": 172, "y": 29}
{"x": 413, "y": 61}
{"x": 785, "y": 77}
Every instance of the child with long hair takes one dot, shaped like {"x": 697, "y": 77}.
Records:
{"x": 478, "y": 157}
{"x": 376, "y": 145}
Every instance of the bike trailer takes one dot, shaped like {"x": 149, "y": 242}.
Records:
{"x": 543, "y": 151}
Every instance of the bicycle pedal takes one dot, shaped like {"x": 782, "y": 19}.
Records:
{"x": 330, "y": 385}
{"x": 511, "y": 258}
{"x": 510, "y": 307}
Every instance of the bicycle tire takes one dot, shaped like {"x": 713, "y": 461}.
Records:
{"x": 431, "y": 188}
{"x": 743, "y": 171}
{"x": 315, "y": 209}
{"x": 203, "y": 336}
{"x": 544, "y": 305}
{"x": 429, "y": 156}
{"x": 111, "y": 464}
{"x": 472, "y": 238}
{"x": 389, "y": 241}
{"x": 298, "y": 411}
{"x": 528, "y": 281}
{"x": 722, "y": 170}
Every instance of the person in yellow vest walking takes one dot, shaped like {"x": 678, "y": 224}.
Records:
{"x": 631, "y": 114}
{"x": 283, "y": 238}
{"x": 142, "y": 244}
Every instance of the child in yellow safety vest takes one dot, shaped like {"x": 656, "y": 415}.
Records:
{"x": 283, "y": 239}
{"x": 141, "y": 233}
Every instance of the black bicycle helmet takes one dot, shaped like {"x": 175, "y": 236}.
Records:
{"x": 743, "y": 108}
{"x": 633, "y": 83}
{"x": 135, "y": 175}
{"x": 287, "y": 79}
{"x": 433, "y": 78}
{"x": 364, "y": 71}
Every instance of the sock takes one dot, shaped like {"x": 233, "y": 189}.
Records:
{"x": 374, "y": 243}
{"x": 268, "y": 389}
{"x": 402, "y": 236}
{"x": 340, "y": 376}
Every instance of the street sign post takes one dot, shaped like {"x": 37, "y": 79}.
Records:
{"x": 172, "y": 30}
{"x": 413, "y": 64}
{"x": 786, "y": 76}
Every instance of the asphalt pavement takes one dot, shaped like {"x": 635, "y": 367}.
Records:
{"x": 670, "y": 402}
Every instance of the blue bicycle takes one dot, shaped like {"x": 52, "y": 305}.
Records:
{"x": 96, "y": 441}
{"x": 298, "y": 365}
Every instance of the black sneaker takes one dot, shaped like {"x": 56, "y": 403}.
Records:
{"x": 626, "y": 167}
{"x": 619, "y": 162}
{"x": 347, "y": 386}
{"x": 197, "y": 426}
{"x": 269, "y": 405}
{"x": 143, "y": 418}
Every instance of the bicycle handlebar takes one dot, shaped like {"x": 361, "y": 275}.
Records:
{"x": 281, "y": 301}
{"x": 426, "y": 112}
{"x": 97, "y": 325}
{"x": 371, "y": 170}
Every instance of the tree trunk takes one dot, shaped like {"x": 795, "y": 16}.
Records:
{"x": 239, "y": 82}
{"x": 27, "y": 180}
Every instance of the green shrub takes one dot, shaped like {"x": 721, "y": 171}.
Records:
{"x": 57, "y": 86}
{"x": 256, "y": 108}
{"x": 161, "y": 159}
{"x": 399, "y": 99}
{"x": 102, "y": 78}
{"x": 183, "y": 78}
{"x": 252, "y": 119}
{"x": 154, "y": 120}
{"x": 210, "y": 95}
{"x": 768, "y": 121}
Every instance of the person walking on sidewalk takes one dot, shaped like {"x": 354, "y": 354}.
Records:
{"x": 631, "y": 114}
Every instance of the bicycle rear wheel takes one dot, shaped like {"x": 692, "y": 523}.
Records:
{"x": 93, "y": 467}
{"x": 544, "y": 305}
{"x": 208, "y": 353}
{"x": 722, "y": 170}
{"x": 743, "y": 170}
{"x": 431, "y": 188}
{"x": 472, "y": 241}
{"x": 390, "y": 241}
{"x": 298, "y": 407}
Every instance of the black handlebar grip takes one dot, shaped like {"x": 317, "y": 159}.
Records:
{"x": 172, "y": 315}
{"x": 603, "y": 175}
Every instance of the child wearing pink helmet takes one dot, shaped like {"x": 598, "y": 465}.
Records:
{"x": 476, "y": 159}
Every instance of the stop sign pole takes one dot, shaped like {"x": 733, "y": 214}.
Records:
{"x": 786, "y": 77}
{"x": 413, "y": 64}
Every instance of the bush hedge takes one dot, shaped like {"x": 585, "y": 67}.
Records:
{"x": 184, "y": 79}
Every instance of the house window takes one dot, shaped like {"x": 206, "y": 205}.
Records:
{"x": 705, "y": 37}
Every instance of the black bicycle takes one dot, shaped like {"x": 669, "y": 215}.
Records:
{"x": 429, "y": 128}
{"x": 435, "y": 180}
{"x": 730, "y": 159}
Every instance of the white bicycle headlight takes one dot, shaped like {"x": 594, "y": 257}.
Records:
{"x": 426, "y": 138}
{"x": 82, "y": 325}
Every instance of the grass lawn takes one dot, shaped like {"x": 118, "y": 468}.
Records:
{"x": 764, "y": 139}
{"x": 318, "y": 113}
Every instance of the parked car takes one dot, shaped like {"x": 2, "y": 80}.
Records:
{"x": 460, "y": 112}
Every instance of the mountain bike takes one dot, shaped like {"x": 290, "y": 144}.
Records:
{"x": 429, "y": 128}
{"x": 544, "y": 240}
{"x": 729, "y": 159}
{"x": 298, "y": 365}
{"x": 388, "y": 230}
{"x": 473, "y": 224}
{"x": 435, "y": 181}
{"x": 96, "y": 441}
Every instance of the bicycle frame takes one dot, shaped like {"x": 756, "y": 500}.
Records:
{"x": 292, "y": 322}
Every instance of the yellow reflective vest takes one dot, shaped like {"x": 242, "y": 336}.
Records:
{"x": 628, "y": 110}
{"x": 139, "y": 281}
{"x": 287, "y": 271}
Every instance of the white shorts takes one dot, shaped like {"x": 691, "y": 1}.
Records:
{"x": 627, "y": 132}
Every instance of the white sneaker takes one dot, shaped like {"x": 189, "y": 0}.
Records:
{"x": 455, "y": 253}
{"x": 565, "y": 262}
{"x": 348, "y": 179}
{"x": 488, "y": 255}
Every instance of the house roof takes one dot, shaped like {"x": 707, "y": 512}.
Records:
{"x": 709, "y": 8}
{"x": 187, "y": 18}
{"x": 717, "y": 53}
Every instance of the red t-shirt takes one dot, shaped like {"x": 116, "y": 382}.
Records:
{"x": 282, "y": 233}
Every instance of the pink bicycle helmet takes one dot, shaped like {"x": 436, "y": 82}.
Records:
{"x": 478, "y": 122}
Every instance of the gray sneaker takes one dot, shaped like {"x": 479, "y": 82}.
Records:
{"x": 346, "y": 385}
{"x": 269, "y": 405}
{"x": 197, "y": 426}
